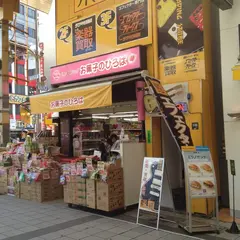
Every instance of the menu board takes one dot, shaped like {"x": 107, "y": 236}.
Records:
{"x": 132, "y": 21}
{"x": 84, "y": 36}
{"x": 151, "y": 184}
{"x": 200, "y": 173}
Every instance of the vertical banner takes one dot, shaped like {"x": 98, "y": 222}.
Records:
{"x": 151, "y": 184}
{"x": 84, "y": 36}
{"x": 200, "y": 174}
{"x": 174, "y": 116}
{"x": 181, "y": 40}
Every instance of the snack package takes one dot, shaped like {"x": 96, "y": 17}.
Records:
{"x": 62, "y": 180}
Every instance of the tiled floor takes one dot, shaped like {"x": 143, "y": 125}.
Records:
{"x": 25, "y": 220}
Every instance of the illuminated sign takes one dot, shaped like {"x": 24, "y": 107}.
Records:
{"x": 17, "y": 99}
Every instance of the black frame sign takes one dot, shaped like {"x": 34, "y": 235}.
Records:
{"x": 132, "y": 21}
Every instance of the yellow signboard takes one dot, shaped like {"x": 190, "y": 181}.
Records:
{"x": 17, "y": 99}
{"x": 109, "y": 28}
{"x": 80, "y": 5}
{"x": 70, "y": 100}
{"x": 183, "y": 68}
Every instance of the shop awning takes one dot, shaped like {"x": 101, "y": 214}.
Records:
{"x": 86, "y": 97}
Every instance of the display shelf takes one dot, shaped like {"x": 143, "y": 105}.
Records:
{"x": 88, "y": 131}
{"x": 91, "y": 140}
{"x": 89, "y": 149}
{"x": 132, "y": 129}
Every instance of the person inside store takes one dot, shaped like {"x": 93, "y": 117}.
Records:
{"x": 115, "y": 143}
{"x": 24, "y": 135}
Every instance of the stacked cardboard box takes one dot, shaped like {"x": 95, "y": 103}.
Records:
{"x": 42, "y": 191}
{"x": 110, "y": 195}
{"x": 3, "y": 183}
{"x": 91, "y": 193}
{"x": 75, "y": 191}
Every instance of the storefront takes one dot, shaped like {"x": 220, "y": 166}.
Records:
{"x": 177, "y": 51}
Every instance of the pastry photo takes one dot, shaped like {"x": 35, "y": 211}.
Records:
{"x": 196, "y": 185}
{"x": 194, "y": 167}
{"x": 207, "y": 168}
{"x": 208, "y": 184}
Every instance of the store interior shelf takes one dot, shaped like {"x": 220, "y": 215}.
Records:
{"x": 89, "y": 149}
{"x": 87, "y": 131}
{"x": 91, "y": 140}
{"x": 132, "y": 129}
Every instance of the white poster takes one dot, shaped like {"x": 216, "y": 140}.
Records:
{"x": 200, "y": 173}
{"x": 151, "y": 184}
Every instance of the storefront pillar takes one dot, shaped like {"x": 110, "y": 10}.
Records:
{"x": 6, "y": 14}
{"x": 153, "y": 124}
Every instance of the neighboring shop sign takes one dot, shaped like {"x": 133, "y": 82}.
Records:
{"x": 132, "y": 21}
{"x": 84, "y": 36}
{"x": 200, "y": 172}
{"x": 107, "y": 28}
{"x": 129, "y": 59}
{"x": 41, "y": 66}
{"x": 151, "y": 184}
{"x": 174, "y": 117}
{"x": 181, "y": 30}
{"x": 17, "y": 99}
{"x": 80, "y": 5}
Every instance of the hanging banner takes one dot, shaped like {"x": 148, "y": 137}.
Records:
{"x": 174, "y": 116}
{"x": 199, "y": 172}
{"x": 151, "y": 184}
{"x": 181, "y": 40}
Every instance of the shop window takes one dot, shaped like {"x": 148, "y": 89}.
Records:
{"x": 31, "y": 91}
{"x": 31, "y": 32}
{"x": 21, "y": 27}
{"x": 19, "y": 89}
{"x": 22, "y": 9}
{"x": 10, "y": 87}
{"x": 17, "y": 107}
{"x": 31, "y": 13}
{"x": 20, "y": 69}
{"x": 10, "y": 109}
{"x": 32, "y": 72}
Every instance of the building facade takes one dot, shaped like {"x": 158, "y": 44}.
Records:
{"x": 229, "y": 22}
{"x": 23, "y": 61}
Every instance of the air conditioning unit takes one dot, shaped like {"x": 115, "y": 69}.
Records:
{"x": 223, "y": 4}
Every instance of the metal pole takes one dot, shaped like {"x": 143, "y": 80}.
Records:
{"x": 234, "y": 217}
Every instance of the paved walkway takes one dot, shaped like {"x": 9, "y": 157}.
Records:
{"x": 25, "y": 220}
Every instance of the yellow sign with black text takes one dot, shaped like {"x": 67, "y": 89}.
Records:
{"x": 17, "y": 99}
{"x": 113, "y": 26}
{"x": 183, "y": 68}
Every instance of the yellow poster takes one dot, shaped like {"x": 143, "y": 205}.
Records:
{"x": 183, "y": 68}
{"x": 70, "y": 100}
{"x": 109, "y": 27}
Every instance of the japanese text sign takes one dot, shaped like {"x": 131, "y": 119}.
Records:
{"x": 121, "y": 61}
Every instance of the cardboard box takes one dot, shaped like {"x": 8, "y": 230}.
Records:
{"x": 115, "y": 175}
{"x": 110, "y": 189}
{"x": 110, "y": 204}
{"x": 91, "y": 200}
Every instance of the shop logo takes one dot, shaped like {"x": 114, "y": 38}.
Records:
{"x": 106, "y": 18}
{"x": 64, "y": 33}
{"x": 56, "y": 75}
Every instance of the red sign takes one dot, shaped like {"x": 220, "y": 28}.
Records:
{"x": 41, "y": 46}
{"x": 41, "y": 66}
{"x": 126, "y": 60}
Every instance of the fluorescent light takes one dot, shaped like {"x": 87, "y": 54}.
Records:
{"x": 131, "y": 119}
{"x": 99, "y": 117}
{"x": 123, "y": 116}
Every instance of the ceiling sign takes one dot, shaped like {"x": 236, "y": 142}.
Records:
{"x": 41, "y": 5}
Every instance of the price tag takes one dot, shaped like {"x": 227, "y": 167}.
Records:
{"x": 97, "y": 154}
{"x": 232, "y": 166}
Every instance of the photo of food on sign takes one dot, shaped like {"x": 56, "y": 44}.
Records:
{"x": 202, "y": 187}
{"x": 84, "y": 36}
{"x": 180, "y": 25}
{"x": 132, "y": 21}
{"x": 200, "y": 169}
